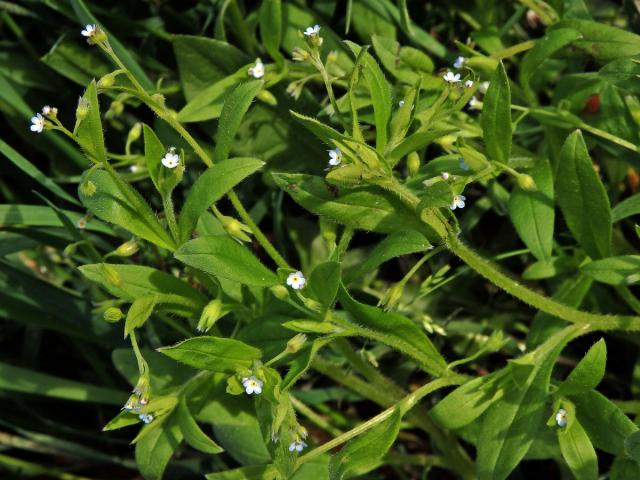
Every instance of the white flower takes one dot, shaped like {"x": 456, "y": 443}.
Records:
{"x": 171, "y": 158}
{"x": 463, "y": 165}
{"x": 468, "y": 83}
{"x": 37, "y": 123}
{"x": 484, "y": 86}
{"x": 89, "y": 31}
{"x": 401, "y": 103}
{"x": 312, "y": 31}
{"x": 146, "y": 417}
{"x": 474, "y": 103}
{"x": 335, "y": 157}
{"x": 458, "y": 202}
{"x": 297, "y": 445}
{"x": 81, "y": 223}
{"x": 46, "y": 110}
{"x": 252, "y": 385}
{"x": 257, "y": 71}
{"x": 445, "y": 175}
{"x": 296, "y": 280}
{"x": 561, "y": 417}
{"x": 451, "y": 77}
{"x": 134, "y": 168}
{"x": 459, "y": 63}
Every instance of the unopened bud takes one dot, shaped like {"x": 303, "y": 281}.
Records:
{"x": 127, "y": 249}
{"x": 143, "y": 389}
{"x": 392, "y": 296}
{"x": 295, "y": 344}
{"x": 83, "y": 108}
{"x": 332, "y": 57}
{"x": 112, "y": 315}
{"x": 413, "y": 163}
{"x": 267, "y": 97}
{"x": 526, "y": 182}
{"x": 116, "y": 108}
{"x": 210, "y": 315}
{"x": 158, "y": 98}
{"x": 236, "y": 229}
{"x": 107, "y": 80}
{"x": 311, "y": 304}
{"x": 111, "y": 275}
{"x": 300, "y": 54}
{"x": 280, "y": 292}
{"x": 88, "y": 188}
{"x": 134, "y": 133}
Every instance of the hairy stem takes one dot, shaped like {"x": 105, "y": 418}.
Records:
{"x": 528, "y": 296}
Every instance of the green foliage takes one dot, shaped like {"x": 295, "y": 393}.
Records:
{"x": 452, "y": 296}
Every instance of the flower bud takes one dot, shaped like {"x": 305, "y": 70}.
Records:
{"x": 210, "y": 315}
{"x": 88, "y": 188}
{"x": 116, "y": 108}
{"x": 328, "y": 230}
{"x": 332, "y": 57}
{"x": 127, "y": 249}
{"x": 143, "y": 389}
{"x": 280, "y": 292}
{"x": 267, "y": 97}
{"x": 311, "y": 304}
{"x": 413, "y": 163}
{"x": 134, "y": 133}
{"x": 295, "y": 344}
{"x": 107, "y": 80}
{"x": 112, "y": 315}
{"x": 392, "y": 296}
{"x": 300, "y": 55}
{"x": 83, "y": 109}
{"x": 98, "y": 37}
{"x": 236, "y": 229}
{"x": 526, "y": 182}
{"x": 158, "y": 98}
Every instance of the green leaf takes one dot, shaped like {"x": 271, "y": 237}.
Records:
{"x": 234, "y": 108}
{"x": 213, "y": 353}
{"x": 544, "y": 48}
{"x": 324, "y": 282}
{"x": 394, "y": 330}
{"x": 77, "y": 62}
{"x": 632, "y": 446}
{"x": 43, "y": 216}
{"x": 364, "y": 208}
{"x": 258, "y": 472}
{"x": 395, "y": 245}
{"x": 271, "y": 27}
{"x": 89, "y": 131}
{"x": 203, "y": 61}
{"x": 496, "y": 117}
{"x": 135, "y": 281}
{"x": 154, "y": 450}
{"x": 30, "y": 169}
{"x": 588, "y": 373}
{"x": 154, "y": 151}
{"x": 207, "y": 104}
{"x": 621, "y": 270}
{"x": 578, "y": 451}
{"x": 467, "y": 402}
{"x": 139, "y": 312}
{"x": 602, "y": 42}
{"x": 365, "y": 452}
{"x": 193, "y": 434}
{"x": 118, "y": 202}
{"x": 626, "y": 208}
{"x": 210, "y": 186}
{"x": 508, "y": 427}
{"x": 380, "y": 95}
{"x": 17, "y": 379}
{"x": 606, "y": 425}
{"x": 417, "y": 141}
{"x": 583, "y": 199}
{"x": 224, "y": 257}
{"x": 532, "y": 212}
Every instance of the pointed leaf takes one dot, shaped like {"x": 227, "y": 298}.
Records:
{"x": 583, "y": 199}
{"x": 213, "y": 353}
{"x": 496, "y": 117}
